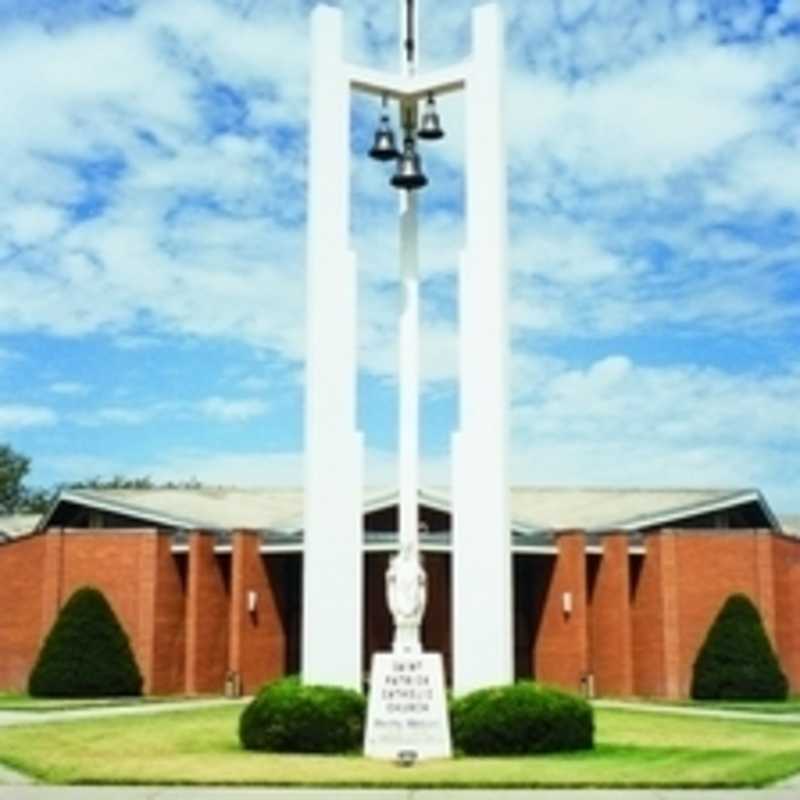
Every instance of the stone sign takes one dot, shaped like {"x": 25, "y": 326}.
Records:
{"x": 407, "y": 708}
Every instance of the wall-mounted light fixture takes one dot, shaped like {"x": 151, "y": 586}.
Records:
{"x": 252, "y": 601}
{"x": 566, "y": 603}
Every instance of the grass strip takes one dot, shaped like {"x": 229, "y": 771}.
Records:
{"x": 201, "y": 747}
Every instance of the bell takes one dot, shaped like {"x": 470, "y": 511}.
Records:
{"x": 384, "y": 148}
{"x": 409, "y": 168}
{"x": 430, "y": 128}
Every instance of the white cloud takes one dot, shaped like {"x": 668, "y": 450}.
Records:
{"x": 663, "y": 114}
{"x": 32, "y": 222}
{"x": 69, "y": 388}
{"x": 116, "y": 416}
{"x": 284, "y": 468}
{"x": 618, "y": 422}
{"x": 15, "y": 416}
{"x": 233, "y": 409}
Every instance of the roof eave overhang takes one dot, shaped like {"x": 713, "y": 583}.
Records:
{"x": 664, "y": 518}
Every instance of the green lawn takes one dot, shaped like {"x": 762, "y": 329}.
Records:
{"x": 633, "y": 749}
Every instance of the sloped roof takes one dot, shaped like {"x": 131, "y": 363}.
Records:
{"x": 629, "y": 509}
{"x": 790, "y": 523}
{"x": 17, "y": 525}
{"x": 533, "y": 509}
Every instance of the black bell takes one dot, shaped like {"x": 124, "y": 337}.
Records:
{"x": 409, "y": 168}
{"x": 384, "y": 148}
{"x": 430, "y": 128}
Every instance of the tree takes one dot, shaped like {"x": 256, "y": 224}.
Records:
{"x": 13, "y": 469}
{"x": 86, "y": 653}
{"x": 736, "y": 661}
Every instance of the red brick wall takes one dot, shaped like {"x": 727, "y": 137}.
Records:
{"x": 711, "y": 566}
{"x": 685, "y": 580}
{"x": 610, "y": 626}
{"x": 117, "y": 564}
{"x": 561, "y": 650}
{"x": 188, "y": 621}
{"x": 21, "y": 573}
{"x": 135, "y": 571}
{"x": 786, "y": 561}
{"x": 257, "y": 644}
{"x": 207, "y": 617}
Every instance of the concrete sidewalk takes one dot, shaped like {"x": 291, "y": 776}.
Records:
{"x": 189, "y": 793}
{"x": 694, "y": 711}
{"x": 44, "y": 717}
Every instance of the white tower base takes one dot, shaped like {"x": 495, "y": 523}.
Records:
{"x": 332, "y": 561}
{"x": 482, "y": 613}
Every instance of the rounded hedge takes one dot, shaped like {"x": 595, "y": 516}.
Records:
{"x": 737, "y": 661}
{"x": 521, "y": 719}
{"x": 86, "y": 653}
{"x": 290, "y": 717}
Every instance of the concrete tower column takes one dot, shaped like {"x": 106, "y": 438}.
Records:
{"x": 332, "y": 571}
{"x": 482, "y": 614}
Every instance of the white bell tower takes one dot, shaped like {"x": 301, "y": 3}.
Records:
{"x": 333, "y": 547}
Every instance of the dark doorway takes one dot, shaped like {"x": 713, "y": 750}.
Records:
{"x": 532, "y": 577}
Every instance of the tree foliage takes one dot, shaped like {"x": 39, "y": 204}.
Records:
{"x": 86, "y": 653}
{"x": 737, "y": 661}
{"x": 13, "y": 469}
{"x": 123, "y": 482}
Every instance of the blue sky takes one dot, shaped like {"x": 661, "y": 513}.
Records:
{"x": 152, "y": 222}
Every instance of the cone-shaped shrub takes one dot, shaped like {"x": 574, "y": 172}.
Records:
{"x": 86, "y": 653}
{"x": 521, "y": 719}
{"x": 736, "y": 661}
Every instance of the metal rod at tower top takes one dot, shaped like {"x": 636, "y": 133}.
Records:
{"x": 409, "y": 338}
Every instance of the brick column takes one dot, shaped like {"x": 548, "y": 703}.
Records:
{"x": 611, "y": 634}
{"x": 656, "y": 651}
{"x": 146, "y": 629}
{"x": 161, "y": 639}
{"x": 786, "y": 563}
{"x": 257, "y": 643}
{"x": 562, "y": 644}
{"x": 207, "y": 618}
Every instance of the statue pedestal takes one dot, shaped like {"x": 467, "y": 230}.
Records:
{"x": 407, "y": 711}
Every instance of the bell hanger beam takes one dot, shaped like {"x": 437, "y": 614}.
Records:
{"x": 417, "y": 87}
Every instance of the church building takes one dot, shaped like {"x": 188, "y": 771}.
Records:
{"x": 613, "y": 589}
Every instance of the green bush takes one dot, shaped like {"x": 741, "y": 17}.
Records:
{"x": 736, "y": 661}
{"x": 289, "y": 717}
{"x": 521, "y": 719}
{"x": 86, "y": 653}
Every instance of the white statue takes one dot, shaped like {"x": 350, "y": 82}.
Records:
{"x": 406, "y": 595}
